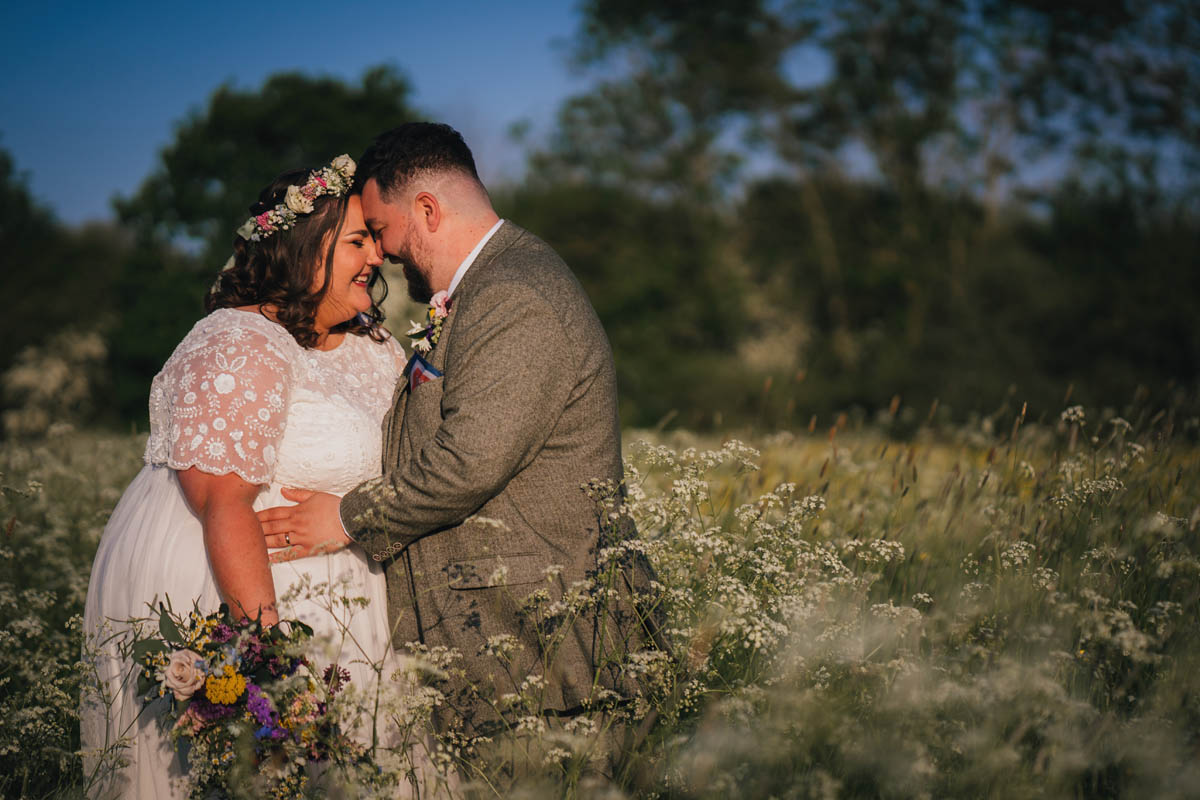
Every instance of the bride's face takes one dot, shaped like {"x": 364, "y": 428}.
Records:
{"x": 355, "y": 257}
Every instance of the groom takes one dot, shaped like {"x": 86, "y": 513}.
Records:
{"x": 493, "y": 431}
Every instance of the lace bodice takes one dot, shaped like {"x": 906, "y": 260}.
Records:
{"x": 240, "y": 395}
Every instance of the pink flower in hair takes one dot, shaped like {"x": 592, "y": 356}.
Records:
{"x": 320, "y": 180}
{"x": 264, "y": 221}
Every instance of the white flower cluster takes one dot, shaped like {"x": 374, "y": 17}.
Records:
{"x": 1087, "y": 490}
{"x": 1074, "y": 415}
{"x": 334, "y": 180}
{"x": 1016, "y": 555}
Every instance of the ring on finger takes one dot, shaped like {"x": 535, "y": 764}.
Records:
{"x": 287, "y": 537}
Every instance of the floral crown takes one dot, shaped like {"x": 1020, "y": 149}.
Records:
{"x": 335, "y": 180}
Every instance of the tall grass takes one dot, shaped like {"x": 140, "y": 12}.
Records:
{"x": 1001, "y": 610}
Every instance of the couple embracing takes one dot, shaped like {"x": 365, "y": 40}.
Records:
{"x": 442, "y": 486}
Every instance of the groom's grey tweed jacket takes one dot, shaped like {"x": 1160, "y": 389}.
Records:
{"x": 524, "y": 413}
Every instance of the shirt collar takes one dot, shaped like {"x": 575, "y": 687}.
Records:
{"x": 471, "y": 256}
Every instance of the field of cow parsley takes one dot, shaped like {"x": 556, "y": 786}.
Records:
{"x": 1000, "y": 609}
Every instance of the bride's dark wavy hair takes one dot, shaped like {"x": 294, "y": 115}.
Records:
{"x": 280, "y": 269}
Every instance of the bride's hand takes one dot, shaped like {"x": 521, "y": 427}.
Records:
{"x": 311, "y": 527}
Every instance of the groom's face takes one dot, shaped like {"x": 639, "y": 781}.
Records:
{"x": 395, "y": 232}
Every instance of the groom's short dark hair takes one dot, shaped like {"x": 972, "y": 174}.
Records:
{"x": 414, "y": 147}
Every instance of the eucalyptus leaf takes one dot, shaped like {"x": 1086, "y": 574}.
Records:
{"x": 168, "y": 628}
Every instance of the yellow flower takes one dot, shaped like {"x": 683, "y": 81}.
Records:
{"x": 226, "y": 688}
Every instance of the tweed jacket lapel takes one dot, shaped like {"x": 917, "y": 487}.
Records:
{"x": 394, "y": 423}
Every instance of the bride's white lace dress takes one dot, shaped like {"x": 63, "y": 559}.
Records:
{"x": 238, "y": 395}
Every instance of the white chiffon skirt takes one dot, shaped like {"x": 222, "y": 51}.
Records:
{"x": 152, "y": 551}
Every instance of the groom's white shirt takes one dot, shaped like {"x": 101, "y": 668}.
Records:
{"x": 471, "y": 256}
{"x": 454, "y": 282}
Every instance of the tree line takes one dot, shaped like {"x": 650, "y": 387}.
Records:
{"x": 778, "y": 210}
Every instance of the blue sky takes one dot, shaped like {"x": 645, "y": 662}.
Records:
{"x": 92, "y": 91}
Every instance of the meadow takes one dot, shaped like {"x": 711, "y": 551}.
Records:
{"x": 888, "y": 608}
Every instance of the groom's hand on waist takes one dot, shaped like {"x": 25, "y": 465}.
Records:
{"x": 311, "y": 527}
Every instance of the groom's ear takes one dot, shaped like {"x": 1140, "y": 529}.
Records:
{"x": 428, "y": 210}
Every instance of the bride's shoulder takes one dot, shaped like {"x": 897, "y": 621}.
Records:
{"x": 232, "y": 332}
{"x": 233, "y": 325}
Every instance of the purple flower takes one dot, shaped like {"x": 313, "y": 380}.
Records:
{"x": 259, "y": 705}
{"x": 251, "y": 650}
{"x": 335, "y": 678}
{"x": 208, "y": 712}
{"x": 222, "y": 633}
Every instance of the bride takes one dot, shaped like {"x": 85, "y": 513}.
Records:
{"x": 284, "y": 383}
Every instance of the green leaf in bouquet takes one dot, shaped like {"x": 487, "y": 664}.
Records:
{"x": 167, "y": 626}
{"x": 144, "y": 648}
{"x": 145, "y": 684}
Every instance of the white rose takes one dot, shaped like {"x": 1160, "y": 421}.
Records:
{"x": 184, "y": 674}
{"x": 224, "y": 383}
{"x": 345, "y": 165}
{"x": 297, "y": 202}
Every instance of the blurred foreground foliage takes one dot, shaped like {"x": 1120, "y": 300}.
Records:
{"x": 996, "y": 609}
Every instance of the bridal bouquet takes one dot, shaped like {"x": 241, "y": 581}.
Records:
{"x": 246, "y": 707}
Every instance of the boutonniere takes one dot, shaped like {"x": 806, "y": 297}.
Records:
{"x": 425, "y": 335}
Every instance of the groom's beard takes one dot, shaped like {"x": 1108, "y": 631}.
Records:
{"x": 410, "y": 254}
{"x": 418, "y": 285}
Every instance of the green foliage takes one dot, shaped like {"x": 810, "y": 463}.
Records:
{"x": 57, "y": 494}
{"x": 656, "y": 274}
{"x": 957, "y": 308}
{"x": 952, "y": 268}
{"x": 221, "y": 157}
{"x": 950, "y": 93}
{"x": 55, "y": 277}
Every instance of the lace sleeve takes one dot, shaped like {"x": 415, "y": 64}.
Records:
{"x": 225, "y": 400}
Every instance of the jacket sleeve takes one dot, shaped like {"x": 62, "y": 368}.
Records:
{"x": 508, "y": 374}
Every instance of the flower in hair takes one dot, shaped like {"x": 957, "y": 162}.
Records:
{"x": 334, "y": 180}
{"x": 297, "y": 200}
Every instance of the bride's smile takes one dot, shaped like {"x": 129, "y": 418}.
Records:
{"x": 355, "y": 259}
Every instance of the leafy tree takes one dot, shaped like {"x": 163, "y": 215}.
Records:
{"x": 923, "y": 275}
{"x": 56, "y": 277}
{"x": 949, "y": 92}
{"x": 222, "y": 156}
{"x": 656, "y": 275}
{"x": 27, "y": 231}
{"x": 184, "y": 215}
